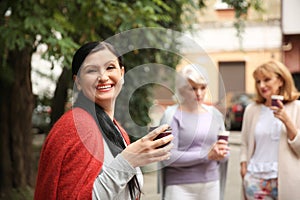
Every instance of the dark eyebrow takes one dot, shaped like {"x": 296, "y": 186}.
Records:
{"x": 110, "y": 61}
{"x": 105, "y": 64}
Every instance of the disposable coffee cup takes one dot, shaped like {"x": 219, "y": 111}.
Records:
{"x": 165, "y": 133}
{"x": 223, "y": 135}
{"x": 275, "y": 99}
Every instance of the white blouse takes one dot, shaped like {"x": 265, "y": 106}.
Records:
{"x": 264, "y": 162}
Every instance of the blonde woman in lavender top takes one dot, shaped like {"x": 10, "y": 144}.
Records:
{"x": 192, "y": 172}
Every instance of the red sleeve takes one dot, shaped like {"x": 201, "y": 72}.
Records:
{"x": 71, "y": 158}
{"x": 123, "y": 132}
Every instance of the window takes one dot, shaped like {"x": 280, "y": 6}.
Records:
{"x": 221, "y": 5}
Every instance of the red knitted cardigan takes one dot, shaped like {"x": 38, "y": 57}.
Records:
{"x": 71, "y": 157}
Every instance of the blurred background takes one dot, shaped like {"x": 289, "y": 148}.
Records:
{"x": 39, "y": 39}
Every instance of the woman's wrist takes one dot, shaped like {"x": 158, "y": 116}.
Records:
{"x": 243, "y": 164}
{"x": 291, "y": 130}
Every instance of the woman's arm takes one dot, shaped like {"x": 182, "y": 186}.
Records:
{"x": 280, "y": 113}
{"x": 244, "y": 141}
{"x": 290, "y": 117}
{"x": 113, "y": 179}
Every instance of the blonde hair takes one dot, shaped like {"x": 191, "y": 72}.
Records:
{"x": 193, "y": 72}
{"x": 288, "y": 90}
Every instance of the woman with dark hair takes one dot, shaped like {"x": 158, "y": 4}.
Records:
{"x": 270, "y": 148}
{"x": 87, "y": 154}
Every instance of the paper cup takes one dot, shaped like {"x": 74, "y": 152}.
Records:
{"x": 162, "y": 134}
{"x": 223, "y": 135}
{"x": 275, "y": 99}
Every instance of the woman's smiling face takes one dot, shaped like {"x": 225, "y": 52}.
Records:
{"x": 100, "y": 77}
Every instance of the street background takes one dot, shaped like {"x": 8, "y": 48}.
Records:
{"x": 233, "y": 182}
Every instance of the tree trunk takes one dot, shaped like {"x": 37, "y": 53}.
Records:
{"x": 5, "y": 167}
{"x": 17, "y": 169}
{"x": 60, "y": 95}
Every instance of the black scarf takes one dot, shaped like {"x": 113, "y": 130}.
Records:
{"x": 110, "y": 133}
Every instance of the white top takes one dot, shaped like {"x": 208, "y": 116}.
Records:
{"x": 289, "y": 150}
{"x": 264, "y": 162}
{"x": 112, "y": 182}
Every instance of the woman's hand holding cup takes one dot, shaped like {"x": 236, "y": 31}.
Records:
{"x": 149, "y": 149}
{"x": 220, "y": 149}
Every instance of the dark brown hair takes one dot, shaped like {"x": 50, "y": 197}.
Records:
{"x": 89, "y": 48}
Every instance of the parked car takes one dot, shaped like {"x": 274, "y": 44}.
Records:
{"x": 235, "y": 107}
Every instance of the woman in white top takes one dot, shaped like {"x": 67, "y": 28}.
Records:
{"x": 270, "y": 150}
